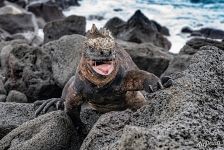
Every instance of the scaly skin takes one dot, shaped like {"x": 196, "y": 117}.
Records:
{"x": 117, "y": 91}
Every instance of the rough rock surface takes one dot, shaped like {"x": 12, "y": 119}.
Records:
{"x": 70, "y": 25}
{"x": 51, "y": 131}
{"x": 140, "y": 29}
{"x": 29, "y": 71}
{"x": 13, "y": 115}
{"x": 48, "y": 10}
{"x": 16, "y": 96}
{"x": 193, "y": 45}
{"x": 65, "y": 54}
{"x": 178, "y": 64}
{"x": 188, "y": 115}
{"x": 5, "y": 49}
{"x": 147, "y": 56}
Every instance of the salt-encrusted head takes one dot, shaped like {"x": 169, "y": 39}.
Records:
{"x": 99, "y": 51}
{"x": 99, "y": 39}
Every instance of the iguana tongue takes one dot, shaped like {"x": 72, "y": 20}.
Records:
{"x": 104, "y": 69}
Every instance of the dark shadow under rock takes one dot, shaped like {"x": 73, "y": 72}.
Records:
{"x": 29, "y": 71}
{"x": 193, "y": 45}
{"x": 139, "y": 29}
{"x": 70, "y": 25}
{"x": 185, "y": 116}
{"x": 14, "y": 114}
{"x": 51, "y": 131}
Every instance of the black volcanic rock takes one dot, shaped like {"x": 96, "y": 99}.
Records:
{"x": 147, "y": 56}
{"x": 65, "y": 56}
{"x": 114, "y": 24}
{"x": 16, "y": 96}
{"x": 29, "y": 71}
{"x": 18, "y": 23}
{"x": 140, "y": 29}
{"x": 64, "y": 4}
{"x": 51, "y": 131}
{"x": 21, "y": 3}
{"x": 205, "y": 32}
{"x": 49, "y": 11}
{"x": 193, "y": 45}
{"x": 70, "y": 25}
{"x": 184, "y": 116}
{"x": 14, "y": 114}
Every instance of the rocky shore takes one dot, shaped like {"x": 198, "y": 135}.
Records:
{"x": 188, "y": 115}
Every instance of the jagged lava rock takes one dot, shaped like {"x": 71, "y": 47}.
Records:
{"x": 188, "y": 115}
{"x": 147, "y": 56}
{"x": 14, "y": 114}
{"x": 140, "y": 29}
{"x": 114, "y": 24}
{"x": 51, "y": 131}
{"x": 70, "y": 25}
{"x": 65, "y": 54}
{"x": 193, "y": 45}
{"x": 29, "y": 71}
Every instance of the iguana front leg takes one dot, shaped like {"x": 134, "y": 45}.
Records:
{"x": 138, "y": 80}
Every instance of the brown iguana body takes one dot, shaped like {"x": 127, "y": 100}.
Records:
{"x": 106, "y": 78}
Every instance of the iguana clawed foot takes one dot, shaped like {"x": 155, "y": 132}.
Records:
{"x": 166, "y": 81}
{"x": 46, "y": 104}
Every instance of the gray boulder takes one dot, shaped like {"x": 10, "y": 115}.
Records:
{"x": 18, "y": 23}
{"x": 70, "y": 25}
{"x": 29, "y": 71}
{"x": 193, "y": 45}
{"x": 147, "y": 56}
{"x": 51, "y": 131}
{"x": 16, "y": 96}
{"x": 14, "y": 114}
{"x": 188, "y": 115}
{"x": 65, "y": 54}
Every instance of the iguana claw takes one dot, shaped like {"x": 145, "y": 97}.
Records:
{"x": 45, "y": 105}
{"x": 166, "y": 81}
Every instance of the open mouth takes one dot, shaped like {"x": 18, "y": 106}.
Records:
{"x": 102, "y": 67}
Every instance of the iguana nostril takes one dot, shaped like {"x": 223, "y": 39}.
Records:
{"x": 101, "y": 53}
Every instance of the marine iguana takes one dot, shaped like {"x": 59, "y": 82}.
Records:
{"x": 106, "y": 78}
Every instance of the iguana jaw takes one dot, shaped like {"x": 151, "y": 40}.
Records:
{"x": 102, "y": 67}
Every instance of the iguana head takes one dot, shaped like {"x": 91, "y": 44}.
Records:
{"x": 99, "y": 55}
